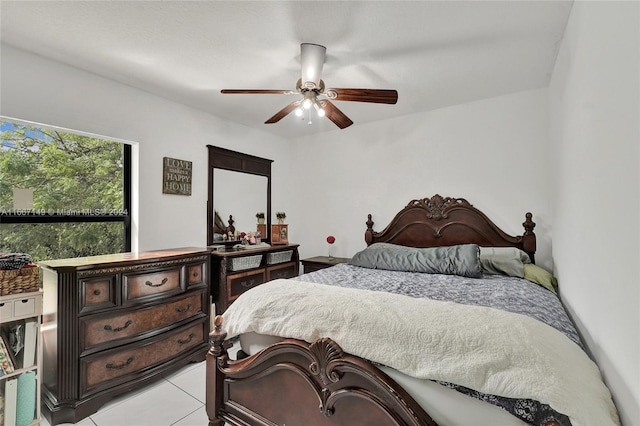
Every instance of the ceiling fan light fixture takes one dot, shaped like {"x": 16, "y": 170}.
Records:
{"x": 309, "y": 99}
{"x": 318, "y": 108}
{"x": 299, "y": 112}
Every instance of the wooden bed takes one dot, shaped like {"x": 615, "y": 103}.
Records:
{"x": 294, "y": 382}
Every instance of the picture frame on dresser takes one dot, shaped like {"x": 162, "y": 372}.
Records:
{"x": 279, "y": 234}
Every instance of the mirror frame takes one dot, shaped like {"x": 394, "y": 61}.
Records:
{"x": 226, "y": 159}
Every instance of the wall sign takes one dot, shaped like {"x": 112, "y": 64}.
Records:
{"x": 176, "y": 176}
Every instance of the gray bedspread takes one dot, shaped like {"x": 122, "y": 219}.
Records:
{"x": 510, "y": 294}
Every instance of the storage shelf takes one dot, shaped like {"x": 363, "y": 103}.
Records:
{"x": 17, "y": 308}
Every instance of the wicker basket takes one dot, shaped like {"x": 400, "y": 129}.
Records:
{"x": 245, "y": 262}
{"x": 23, "y": 280}
{"x": 279, "y": 257}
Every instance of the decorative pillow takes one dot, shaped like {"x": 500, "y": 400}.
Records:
{"x": 454, "y": 260}
{"x": 503, "y": 261}
{"x": 536, "y": 274}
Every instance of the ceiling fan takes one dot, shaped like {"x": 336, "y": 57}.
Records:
{"x": 313, "y": 93}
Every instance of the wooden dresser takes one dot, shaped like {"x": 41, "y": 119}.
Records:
{"x": 235, "y": 271}
{"x": 116, "y": 322}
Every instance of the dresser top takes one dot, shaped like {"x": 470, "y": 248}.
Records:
{"x": 252, "y": 250}
{"x": 101, "y": 260}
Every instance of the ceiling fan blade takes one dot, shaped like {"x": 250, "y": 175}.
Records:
{"x": 334, "y": 114}
{"x": 311, "y": 62}
{"x": 378, "y": 96}
{"x": 283, "y": 112}
{"x": 257, "y": 92}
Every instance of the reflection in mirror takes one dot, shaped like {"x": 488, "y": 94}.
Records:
{"x": 241, "y": 195}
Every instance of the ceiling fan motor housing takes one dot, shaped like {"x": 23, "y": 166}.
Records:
{"x": 311, "y": 61}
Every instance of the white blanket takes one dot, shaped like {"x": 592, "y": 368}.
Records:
{"x": 485, "y": 349}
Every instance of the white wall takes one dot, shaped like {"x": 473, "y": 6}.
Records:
{"x": 493, "y": 152}
{"x": 595, "y": 137}
{"x": 42, "y": 91}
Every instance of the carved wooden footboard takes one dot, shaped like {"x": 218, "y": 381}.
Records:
{"x": 296, "y": 383}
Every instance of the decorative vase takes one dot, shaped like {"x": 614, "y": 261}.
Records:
{"x": 261, "y": 220}
{"x": 330, "y": 251}
{"x": 280, "y": 221}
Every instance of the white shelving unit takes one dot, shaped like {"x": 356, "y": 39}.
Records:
{"x": 15, "y": 308}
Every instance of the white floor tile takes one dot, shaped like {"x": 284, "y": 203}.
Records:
{"x": 192, "y": 381}
{"x": 197, "y": 418}
{"x": 163, "y": 404}
{"x": 84, "y": 422}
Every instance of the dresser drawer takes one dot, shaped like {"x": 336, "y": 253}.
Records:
{"x": 20, "y": 305}
{"x": 196, "y": 274}
{"x": 6, "y": 311}
{"x": 98, "y": 329}
{"x": 24, "y": 306}
{"x": 239, "y": 283}
{"x": 109, "y": 368}
{"x": 145, "y": 285}
{"x": 285, "y": 270}
{"x": 98, "y": 293}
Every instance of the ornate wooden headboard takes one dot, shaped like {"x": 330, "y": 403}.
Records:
{"x": 446, "y": 221}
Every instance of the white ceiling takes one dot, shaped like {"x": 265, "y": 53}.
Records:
{"x": 434, "y": 53}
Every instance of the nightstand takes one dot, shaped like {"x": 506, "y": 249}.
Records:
{"x": 320, "y": 262}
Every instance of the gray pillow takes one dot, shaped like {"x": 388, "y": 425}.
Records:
{"x": 460, "y": 260}
{"x": 503, "y": 261}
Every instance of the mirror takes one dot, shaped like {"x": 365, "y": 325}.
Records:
{"x": 241, "y": 195}
{"x": 239, "y": 185}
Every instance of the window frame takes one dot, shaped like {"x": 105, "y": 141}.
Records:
{"x": 124, "y": 216}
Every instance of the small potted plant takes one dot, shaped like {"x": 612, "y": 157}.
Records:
{"x": 260, "y": 217}
{"x": 281, "y": 216}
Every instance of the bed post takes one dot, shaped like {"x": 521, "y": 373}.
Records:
{"x": 368, "y": 234}
{"x": 529, "y": 237}
{"x": 217, "y": 354}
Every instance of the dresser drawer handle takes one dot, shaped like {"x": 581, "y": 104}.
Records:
{"x": 248, "y": 284}
{"x": 97, "y": 292}
{"x": 111, "y": 366}
{"x": 184, "y": 342}
{"x": 117, "y": 329}
{"x": 195, "y": 274}
{"x": 163, "y": 282}
{"x": 183, "y": 310}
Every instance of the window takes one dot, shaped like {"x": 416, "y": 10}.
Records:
{"x": 63, "y": 194}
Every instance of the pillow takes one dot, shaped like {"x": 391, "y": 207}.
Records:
{"x": 536, "y": 274}
{"x": 454, "y": 260}
{"x": 503, "y": 261}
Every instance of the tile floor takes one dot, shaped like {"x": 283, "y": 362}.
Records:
{"x": 176, "y": 400}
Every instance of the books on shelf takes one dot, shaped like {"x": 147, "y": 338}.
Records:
{"x": 6, "y": 362}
